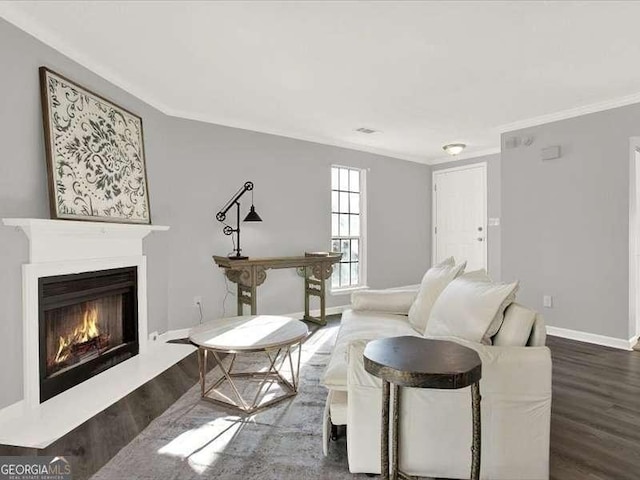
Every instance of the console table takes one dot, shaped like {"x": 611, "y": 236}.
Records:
{"x": 250, "y": 273}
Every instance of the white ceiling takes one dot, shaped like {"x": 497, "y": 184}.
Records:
{"x": 423, "y": 73}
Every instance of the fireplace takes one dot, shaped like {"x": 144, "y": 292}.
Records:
{"x": 88, "y": 322}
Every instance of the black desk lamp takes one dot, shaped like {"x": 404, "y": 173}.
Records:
{"x": 252, "y": 216}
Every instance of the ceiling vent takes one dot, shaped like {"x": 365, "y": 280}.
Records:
{"x": 366, "y": 130}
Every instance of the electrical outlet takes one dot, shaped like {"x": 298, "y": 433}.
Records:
{"x": 197, "y": 302}
{"x": 547, "y": 301}
{"x": 153, "y": 337}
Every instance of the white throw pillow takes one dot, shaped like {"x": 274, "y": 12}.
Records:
{"x": 471, "y": 307}
{"x": 516, "y": 327}
{"x": 387, "y": 301}
{"x": 483, "y": 276}
{"x": 433, "y": 283}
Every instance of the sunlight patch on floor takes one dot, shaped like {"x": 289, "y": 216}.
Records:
{"x": 203, "y": 445}
{"x": 317, "y": 341}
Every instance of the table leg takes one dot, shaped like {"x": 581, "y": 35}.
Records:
{"x": 384, "y": 434}
{"x": 241, "y": 404}
{"x": 306, "y": 292}
{"x": 316, "y": 287}
{"x": 202, "y": 363}
{"x": 323, "y": 317}
{"x": 254, "y": 291}
{"x": 395, "y": 430}
{"x": 239, "y": 300}
{"x": 476, "y": 445}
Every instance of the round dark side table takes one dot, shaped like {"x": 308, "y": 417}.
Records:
{"x": 422, "y": 363}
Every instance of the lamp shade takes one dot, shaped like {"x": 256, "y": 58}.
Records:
{"x": 252, "y": 216}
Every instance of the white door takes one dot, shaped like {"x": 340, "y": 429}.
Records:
{"x": 460, "y": 215}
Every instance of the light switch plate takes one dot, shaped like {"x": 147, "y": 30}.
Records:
{"x": 547, "y": 301}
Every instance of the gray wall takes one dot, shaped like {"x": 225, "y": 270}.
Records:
{"x": 565, "y": 222}
{"x": 292, "y": 195}
{"x": 23, "y": 184}
{"x": 494, "y": 207}
{"x": 193, "y": 169}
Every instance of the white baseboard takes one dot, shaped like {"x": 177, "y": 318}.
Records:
{"x": 316, "y": 313}
{"x": 184, "y": 332}
{"x": 613, "y": 342}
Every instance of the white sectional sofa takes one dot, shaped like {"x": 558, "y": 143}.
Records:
{"x": 435, "y": 428}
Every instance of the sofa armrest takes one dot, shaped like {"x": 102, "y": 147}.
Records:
{"x": 387, "y": 301}
{"x": 505, "y": 370}
{"x": 515, "y": 370}
{"x": 356, "y": 374}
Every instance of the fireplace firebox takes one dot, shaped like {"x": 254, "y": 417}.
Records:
{"x": 88, "y": 322}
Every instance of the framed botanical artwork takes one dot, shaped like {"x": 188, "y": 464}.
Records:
{"x": 95, "y": 155}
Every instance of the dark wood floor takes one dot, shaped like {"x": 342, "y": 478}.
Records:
{"x": 595, "y": 413}
{"x": 595, "y": 420}
{"x": 96, "y": 441}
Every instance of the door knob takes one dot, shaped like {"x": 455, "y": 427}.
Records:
{"x": 479, "y": 229}
{"x": 480, "y": 239}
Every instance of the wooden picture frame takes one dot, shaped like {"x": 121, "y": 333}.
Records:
{"x": 95, "y": 155}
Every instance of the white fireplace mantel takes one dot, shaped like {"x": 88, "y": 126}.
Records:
{"x": 61, "y": 247}
{"x": 58, "y": 240}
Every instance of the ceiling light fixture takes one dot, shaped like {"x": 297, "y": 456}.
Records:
{"x": 454, "y": 148}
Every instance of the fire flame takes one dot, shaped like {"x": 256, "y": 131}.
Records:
{"x": 84, "y": 332}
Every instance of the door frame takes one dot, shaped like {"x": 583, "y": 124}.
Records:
{"x": 434, "y": 174}
{"x": 634, "y": 241}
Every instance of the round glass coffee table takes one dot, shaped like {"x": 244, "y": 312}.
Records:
{"x": 275, "y": 338}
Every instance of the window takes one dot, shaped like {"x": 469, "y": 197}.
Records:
{"x": 347, "y": 226}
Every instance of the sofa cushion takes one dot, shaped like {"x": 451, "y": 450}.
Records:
{"x": 386, "y": 301}
{"x": 496, "y": 323}
{"x": 360, "y": 325}
{"x": 433, "y": 283}
{"x": 516, "y": 327}
{"x": 471, "y": 307}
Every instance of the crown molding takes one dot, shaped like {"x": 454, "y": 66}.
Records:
{"x": 571, "y": 113}
{"x": 11, "y": 12}
{"x": 465, "y": 156}
{"x": 244, "y": 125}
{"x": 24, "y": 22}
